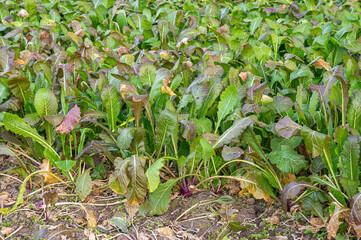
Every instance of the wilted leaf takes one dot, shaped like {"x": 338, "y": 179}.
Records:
{"x": 248, "y": 182}
{"x": 121, "y": 223}
{"x": 40, "y": 234}
{"x": 165, "y": 232}
{"x": 119, "y": 180}
{"x": 70, "y": 121}
{"x": 47, "y": 167}
{"x": 91, "y": 219}
{"x": 138, "y": 101}
{"x": 355, "y": 213}
{"x": 334, "y": 223}
{"x": 190, "y": 129}
{"x": 137, "y": 187}
{"x": 50, "y": 198}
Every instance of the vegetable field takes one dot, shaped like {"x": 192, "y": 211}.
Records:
{"x": 133, "y": 119}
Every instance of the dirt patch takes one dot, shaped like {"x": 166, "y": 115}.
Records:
{"x": 187, "y": 218}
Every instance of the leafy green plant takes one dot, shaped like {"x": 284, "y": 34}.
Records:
{"x": 152, "y": 97}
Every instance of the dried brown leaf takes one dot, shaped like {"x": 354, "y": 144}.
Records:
{"x": 334, "y": 223}
{"x": 165, "y": 88}
{"x": 165, "y": 232}
{"x": 91, "y": 219}
{"x": 321, "y": 64}
{"x": 6, "y": 230}
{"x": 131, "y": 209}
{"x": 46, "y": 166}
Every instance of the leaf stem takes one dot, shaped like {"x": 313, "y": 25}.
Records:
{"x": 328, "y": 160}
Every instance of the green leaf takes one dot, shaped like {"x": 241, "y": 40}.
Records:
{"x": 234, "y": 131}
{"x": 293, "y": 142}
{"x": 350, "y": 186}
{"x": 165, "y": 124}
{"x": 203, "y": 125}
{"x": 125, "y": 138}
{"x": 227, "y": 103}
{"x": 108, "y": 3}
{"x": 315, "y": 141}
{"x": 160, "y": 198}
{"x": 65, "y": 165}
{"x": 213, "y": 93}
{"x": 281, "y": 104}
{"x": 120, "y": 223}
{"x": 147, "y": 73}
{"x": 137, "y": 187}
{"x": 111, "y": 101}
{"x": 163, "y": 27}
{"x": 157, "y": 84}
{"x": 314, "y": 206}
{"x": 204, "y": 150}
{"x": 255, "y": 24}
{"x": 18, "y": 85}
{"x": 45, "y": 102}
{"x": 354, "y": 111}
{"x": 4, "y": 93}
{"x": 30, "y": 7}
{"x": 84, "y": 185}
{"x": 17, "y": 125}
{"x": 152, "y": 173}
{"x": 288, "y": 160}
{"x": 350, "y": 157}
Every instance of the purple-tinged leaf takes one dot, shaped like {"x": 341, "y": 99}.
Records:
{"x": 70, "y": 121}
{"x": 291, "y": 191}
{"x": 288, "y": 128}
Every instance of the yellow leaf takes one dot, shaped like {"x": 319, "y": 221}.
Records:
{"x": 252, "y": 186}
{"x": 19, "y": 61}
{"x": 165, "y": 88}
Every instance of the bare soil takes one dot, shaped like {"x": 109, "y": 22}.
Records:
{"x": 68, "y": 220}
